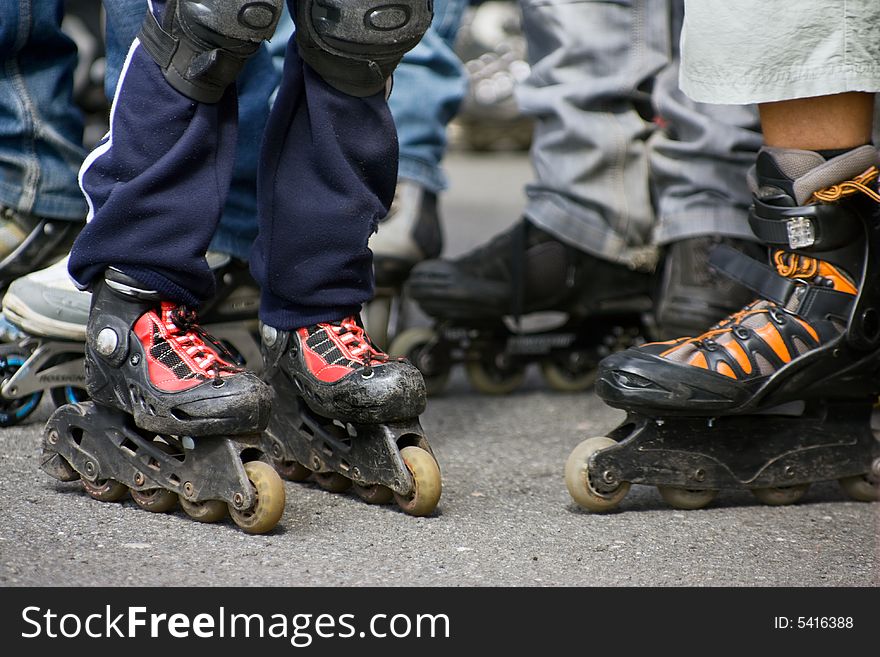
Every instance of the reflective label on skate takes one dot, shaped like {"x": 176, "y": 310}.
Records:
{"x": 801, "y": 233}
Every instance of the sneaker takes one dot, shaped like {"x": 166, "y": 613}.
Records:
{"x": 46, "y": 303}
{"x": 410, "y": 233}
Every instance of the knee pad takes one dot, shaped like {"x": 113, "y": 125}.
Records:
{"x": 355, "y": 45}
{"x": 202, "y": 45}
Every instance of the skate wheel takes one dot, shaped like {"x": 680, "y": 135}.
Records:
{"x": 687, "y": 498}
{"x": 269, "y": 506}
{"x": 207, "y": 511}
{"x": 577, "y": 477}
{"x": 414, "y": 345}
{"x": 861, "y": 488}
{"x": 780, "y": 495}
{"x": 490, "y": 379}
{"x": 105, "y": 490}
{"x": 68, "y": 395}
{"x": 566, "y": 379}
{"x": 427, "y": 484}
{"x": 375, "y": 494}
{"x": 156, "y": 500}
{"x": 332, "y": 482}
{"x": 13, "y": 411}
{"x": 292, "y": 470}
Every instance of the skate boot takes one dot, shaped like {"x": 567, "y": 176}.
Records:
{"x": 172, "y": 416}
{"x": 53, "y": 313}
{"x": 347, "y": 414}
{"x": 29, "y": 243}
{"x": 779, "y": 394}
{"x": 524, "y": 297}
{"x": 692, "y": 294}
{"x": 409, "y": 234}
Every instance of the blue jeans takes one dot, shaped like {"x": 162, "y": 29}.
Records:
{"x": 40, "y": 128}
{"x": 623, "y": 161}
{"x": 429, "y": 85}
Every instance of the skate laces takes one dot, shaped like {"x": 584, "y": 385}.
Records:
{"x": 805, "y": 268}
{"x": 185, "y": 333}
{"x": 763, "y": 336}
{"x": 352, "y": 336}
{"x": 859, "y": 184}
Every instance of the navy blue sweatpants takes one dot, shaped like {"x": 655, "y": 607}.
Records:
{"x": 157, "y": 183}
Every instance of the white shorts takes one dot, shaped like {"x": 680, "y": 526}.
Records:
{"x": 755, "y": 51}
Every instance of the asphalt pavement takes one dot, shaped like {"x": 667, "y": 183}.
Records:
{"x": 505, "y": 518}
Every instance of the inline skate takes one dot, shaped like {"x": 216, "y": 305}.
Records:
{"x": 523, "y": 298}
{"x": 346, "y": 415}
{"x": 410, "y": 233}
{"x": 173, "y": 418}
{"x": 29, "y": 242}
{"x": 52, "y": 315}
{"x": 779, "y": 394}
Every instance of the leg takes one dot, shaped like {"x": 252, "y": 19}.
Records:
{"x": 699, "y": 158}
{"x": 583, "y": 249}
{"x": 813, "y": 190}
{"x": 429, "y": 85}
{"x": 40, "y": 138}
{"x": 143, "y": 171}
{"x": 328, "y": 169}
{"x": 155, "y": 187}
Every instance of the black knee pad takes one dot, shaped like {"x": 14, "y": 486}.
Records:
{"x": 202, "y": 45}
{"x": 355, "y": 45}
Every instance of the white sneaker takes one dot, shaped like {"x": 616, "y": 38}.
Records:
{"x": 47, "y": 303}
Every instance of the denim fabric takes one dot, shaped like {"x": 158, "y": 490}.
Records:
{"x": 700, "y": 159}
{"x": 621, "y": 159}
{"x": 429, "y": 85}
{"x": 40, "y": 128}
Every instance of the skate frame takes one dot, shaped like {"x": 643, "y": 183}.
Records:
{"x": 99, "y": 443}
{"x": 829, "y": 441}
{"x": 323, "y": 445}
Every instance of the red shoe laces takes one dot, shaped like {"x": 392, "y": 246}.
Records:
{"x": 356, "y": 341}
{"x": 185, "y": 332}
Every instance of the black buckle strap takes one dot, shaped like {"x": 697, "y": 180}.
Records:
{"x": 817, "y": 227}
{"x": 807, "y": 301}
{"x": 157, "y": 41}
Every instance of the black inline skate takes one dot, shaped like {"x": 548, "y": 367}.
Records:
{"x": 692, "y": 295}
{"x": 779, "y": 394}
{"x": 172, "y": 417}
{"x": 51, "y": 315}
{"x": 524, "y": 297}
{"x": 410, "y": 233}
{"x": 346, "y": 415}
